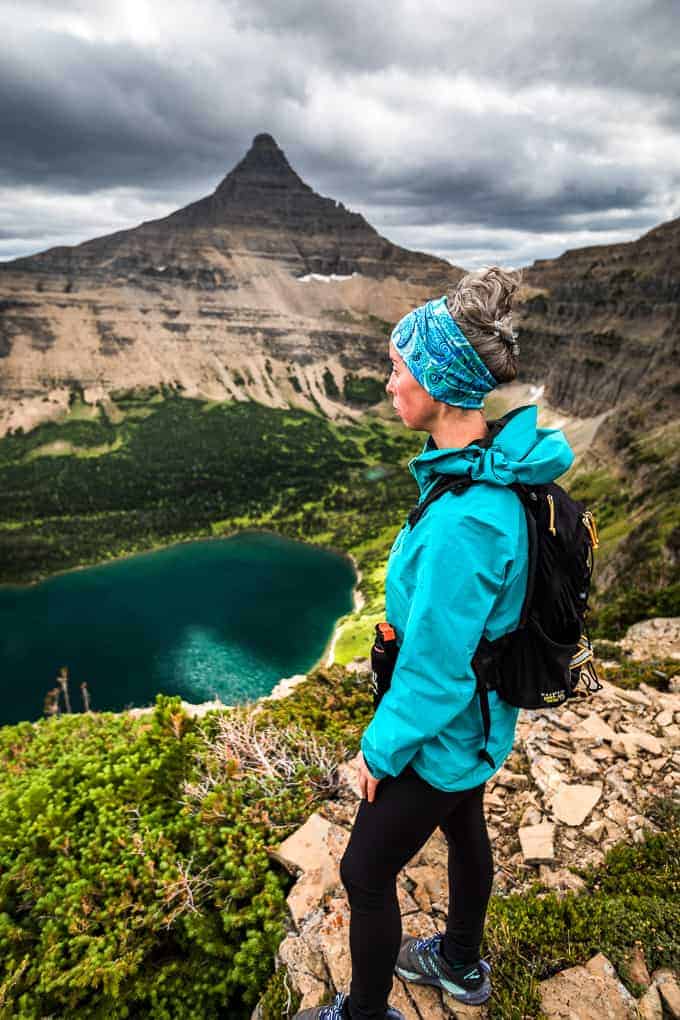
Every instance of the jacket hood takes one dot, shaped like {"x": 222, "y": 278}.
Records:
{"x": 515, "y": 451}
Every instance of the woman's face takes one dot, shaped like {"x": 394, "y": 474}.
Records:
{"x": 413, "y": 404}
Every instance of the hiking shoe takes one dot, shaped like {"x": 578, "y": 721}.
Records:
{"x": 338, "y": 1010}
{"x": 421, "y": 961}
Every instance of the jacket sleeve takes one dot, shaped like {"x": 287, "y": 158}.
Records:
{"x": 459, "y": 577}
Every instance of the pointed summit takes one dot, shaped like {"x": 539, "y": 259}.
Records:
{"x": 264, "y": 207}
{"x": 265, "y": 160}
{"x": 264, "y": 168}
{"x": 263, "y": 191}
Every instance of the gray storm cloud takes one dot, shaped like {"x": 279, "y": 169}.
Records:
{"x": 475, "y": 131}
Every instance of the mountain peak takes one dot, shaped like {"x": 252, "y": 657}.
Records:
{"x": 263, "y": 166}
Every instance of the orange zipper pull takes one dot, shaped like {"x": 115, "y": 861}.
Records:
{"x": 589, "y": 522}
{"x": 551, "y": 525}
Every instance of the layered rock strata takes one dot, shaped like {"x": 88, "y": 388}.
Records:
{"x": 254, "y": 292}
{"x": 601, "y": 325}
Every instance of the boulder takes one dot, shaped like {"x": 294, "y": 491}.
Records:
{"x": 401, "y": 998}
{"x": 635, "y": 967}
{"x": 573, "y": 802}
{"x": 334, "y": 942}
{"x": 307, "y": 892}
{"x": 305, "y": 848}
{"x": 459, "y": 1010}
{"x": 419, "y": 926}
{"x": 653, "y": 639}
{"x": 348, "y": 777}
{"x": 431, "y": 887}
{"x": 306, "y": 970}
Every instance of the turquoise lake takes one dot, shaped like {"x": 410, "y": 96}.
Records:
{"x": 223, "y": 617}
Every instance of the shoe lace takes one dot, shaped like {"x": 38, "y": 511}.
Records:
{"x": 429, "y": 944}
{"x": 336, "y": 1010}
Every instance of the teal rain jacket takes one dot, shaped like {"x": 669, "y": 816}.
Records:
{"x": 460, "y": 573}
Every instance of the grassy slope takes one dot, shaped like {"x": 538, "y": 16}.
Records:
{"x": 631, "y": 481}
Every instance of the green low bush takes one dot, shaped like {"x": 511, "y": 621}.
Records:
{"x": 330, "y": 703}
{"x": 119, "y": 896}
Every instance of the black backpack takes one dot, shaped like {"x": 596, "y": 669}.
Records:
{"x": 548, "y": 658}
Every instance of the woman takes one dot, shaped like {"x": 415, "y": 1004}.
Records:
{"x": 458, "y": 575}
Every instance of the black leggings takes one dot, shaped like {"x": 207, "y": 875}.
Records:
{"x": 386, "y": 835}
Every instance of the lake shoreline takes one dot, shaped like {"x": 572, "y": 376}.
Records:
{"x": 283, "y": 685}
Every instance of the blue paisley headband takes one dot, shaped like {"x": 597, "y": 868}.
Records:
{"x": 441, "y": 357}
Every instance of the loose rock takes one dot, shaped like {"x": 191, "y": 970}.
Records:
{"x": 592, "y": 992}
{"x": 573, "y": 803}
{"x": 649, "y": 1006}
{"x": 669, "y": 990}
{"x": 537, "y": 842}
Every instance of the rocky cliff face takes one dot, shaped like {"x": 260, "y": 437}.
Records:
{"x": 220, "y": 299}
{"x": 601, "y": 325}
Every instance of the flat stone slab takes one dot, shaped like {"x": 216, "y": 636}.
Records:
{"x": 308, "y": 845}
{"x": 537, "y": 842}
{"x": 595, "y": 726}
{"x": 584, "y": 765}
{"x": 634, "y": 741}
{"x": 573, "y": 802}
{"x": 314, "y": 849}
{"x": 593, "y": 992}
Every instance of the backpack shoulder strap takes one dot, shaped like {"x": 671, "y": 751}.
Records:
{"x": 527, "y": 496}
{"x": 444, "y": 483}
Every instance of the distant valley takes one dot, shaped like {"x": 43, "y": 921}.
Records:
{"x": 224, "y": 368}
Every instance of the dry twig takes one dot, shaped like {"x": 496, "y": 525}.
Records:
{"x": 270, "y": 756}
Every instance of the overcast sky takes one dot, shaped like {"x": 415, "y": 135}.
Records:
{"x": 479, "y": 130}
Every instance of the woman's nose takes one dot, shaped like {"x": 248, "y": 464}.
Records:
{"x": 388, "y": 387}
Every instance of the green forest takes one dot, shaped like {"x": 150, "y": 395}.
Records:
{"x": 181, "y": 469}
{"x": 156, "y": 468}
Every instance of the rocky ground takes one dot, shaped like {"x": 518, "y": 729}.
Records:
{"x": 578, "y": 781}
